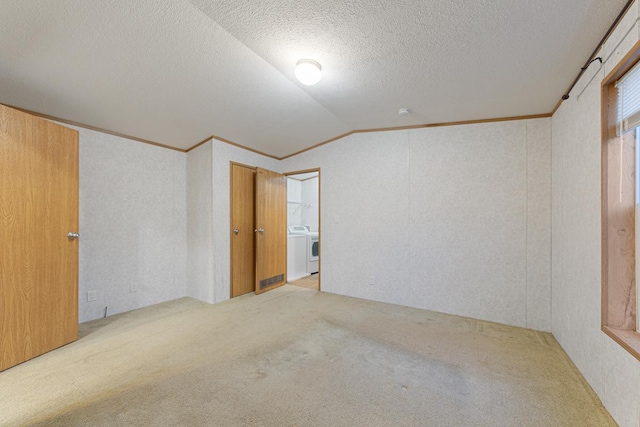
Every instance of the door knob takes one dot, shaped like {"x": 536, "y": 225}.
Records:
{"x": 73, "y": 236}
{"x": 260, "y": 230}
{"x": 236, "y": 231}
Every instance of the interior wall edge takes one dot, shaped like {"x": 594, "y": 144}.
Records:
{"x": 199, "y": 199}
{"x": 605, "y": 38}
{"x": 244, "y": 147}
{"x": 94, "y": 128}
{"x": 420, "y": 126}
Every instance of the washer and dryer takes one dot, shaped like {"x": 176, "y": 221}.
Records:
{"x": 311, "y": 250}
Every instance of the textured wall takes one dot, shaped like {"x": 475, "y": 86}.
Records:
{"x": 294, "y": 202}
{"x": 222, "y": 155}
{"x": 538, "y": 224}
{"x": 310, "y": 203}
{"x": 453, "y": 219}
{"x": 132, "y": 224}
{"x": 200, "y": 222}
{"x": 576, "y": 243}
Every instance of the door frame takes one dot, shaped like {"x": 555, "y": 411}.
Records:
{"x": 298, "y": 172}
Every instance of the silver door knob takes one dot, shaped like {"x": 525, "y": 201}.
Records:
{"x": 236, "y": 231}
{"x": 260, "y": 230}
{"x": 73, "y": 236}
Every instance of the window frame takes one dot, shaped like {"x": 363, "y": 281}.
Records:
{"x": 613, "y": 323}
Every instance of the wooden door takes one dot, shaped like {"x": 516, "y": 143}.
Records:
{"x": 38, "y": 262}
{"x": 271, "y": 235}
{"x": 243, "y": 257}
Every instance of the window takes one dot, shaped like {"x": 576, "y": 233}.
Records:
{"x": 620, "y": 196}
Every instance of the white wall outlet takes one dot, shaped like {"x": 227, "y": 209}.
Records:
{"x": 133, "y": 287}
{"x": 91, "y": 296}
{"x": 372, "y": 280}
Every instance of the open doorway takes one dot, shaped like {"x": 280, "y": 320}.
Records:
{"x": 303, "y": 228}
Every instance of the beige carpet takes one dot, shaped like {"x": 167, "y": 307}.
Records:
{"x": 309, "y": 282}
{"x": 297, "y": 357}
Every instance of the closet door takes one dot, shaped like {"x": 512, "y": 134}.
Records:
{"x": 271, "y": 231}
{"x": 243, "y": 252}
{"x": 38, "y": 261}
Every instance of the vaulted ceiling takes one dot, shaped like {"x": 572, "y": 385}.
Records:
{"x": 176, "y": 72}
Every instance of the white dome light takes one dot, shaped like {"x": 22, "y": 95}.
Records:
{"x": 308, "y": 72}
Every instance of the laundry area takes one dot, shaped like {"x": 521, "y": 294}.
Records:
{"x": 303, "y": 237}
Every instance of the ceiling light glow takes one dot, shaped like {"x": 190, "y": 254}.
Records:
{"x": 308, "y": 72}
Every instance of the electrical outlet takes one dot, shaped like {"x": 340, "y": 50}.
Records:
{"x": 372, "y": 280}
{"x": 133, "y": 287}
{"x": 91, "y": 296}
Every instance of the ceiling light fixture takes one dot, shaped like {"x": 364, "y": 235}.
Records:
{"x": 308, "y": 72}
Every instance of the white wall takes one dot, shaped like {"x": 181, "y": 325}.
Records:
{"x": 309, "y": 200}
{"x": 200, "y": 222}
{"x": 133, "y": 245}
{"x": 294, "y": 202}
{"x": 223, "y": 154}
{"x": 576, "y": 247}
{"x": 452, "y": 219}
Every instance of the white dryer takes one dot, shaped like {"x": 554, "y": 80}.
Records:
{"x": 312, "y": 247}
{"x": 313, "y": 252}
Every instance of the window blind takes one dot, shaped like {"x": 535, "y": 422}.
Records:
{"x": 628, "y": 101}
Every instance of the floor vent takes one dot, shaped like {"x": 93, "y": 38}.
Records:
{"x": 265, "y": 283}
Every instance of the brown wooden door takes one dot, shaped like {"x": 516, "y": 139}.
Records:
{"x": 38, "y": 263}
{"x": 271, "y": 235}
{"x": 243, "y": 259}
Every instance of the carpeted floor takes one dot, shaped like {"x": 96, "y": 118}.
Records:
{"x": 310, "y": 282}
{"x": 297, "y": 357}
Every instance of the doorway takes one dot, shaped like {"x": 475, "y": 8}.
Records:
{"x": 303, "y": 228}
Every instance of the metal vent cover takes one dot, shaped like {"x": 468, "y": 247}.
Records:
{"x": 265, "y": 283}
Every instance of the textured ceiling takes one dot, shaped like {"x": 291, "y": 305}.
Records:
{"x": 178, "y": 71}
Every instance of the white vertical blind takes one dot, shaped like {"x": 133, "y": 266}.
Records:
{"x": 628, "y": 101}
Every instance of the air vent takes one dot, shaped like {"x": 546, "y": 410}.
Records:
{"x": 265, "y": 283}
